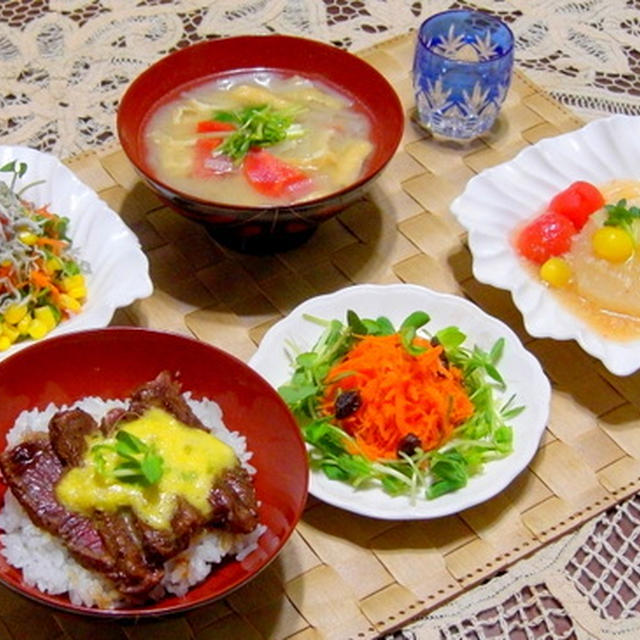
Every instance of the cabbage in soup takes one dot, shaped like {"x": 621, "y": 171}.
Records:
{"x": 258, "y": 139}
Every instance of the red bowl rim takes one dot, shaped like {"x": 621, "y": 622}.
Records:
{"x": 394, "y": 108}
{"x": 157, "y": 610}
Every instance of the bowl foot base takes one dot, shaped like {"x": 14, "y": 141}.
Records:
{"x": 261, "y": 243}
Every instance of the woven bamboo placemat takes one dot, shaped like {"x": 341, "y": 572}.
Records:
{"x": 341, "y": 575}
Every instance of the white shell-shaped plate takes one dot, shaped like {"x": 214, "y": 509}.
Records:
{"x": 520, "y": 369}
{"x": 119, "y": 270}
{"x": 499, "y": 199}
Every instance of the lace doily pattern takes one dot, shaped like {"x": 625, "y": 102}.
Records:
{"x": 584, "y": 587}
{"x": 65, "y": 63}
{"x": 532, "y": 607}
{"x": 605, "y": 568}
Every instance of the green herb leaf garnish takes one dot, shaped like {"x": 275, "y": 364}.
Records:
{"x": 619, "y": 215}
{"x": 136, "y": 461}
{"x": 355, "y": 324}
{"x": 409, "y": 328}
{"x": 18, "y": 169}
{"x": 257, "y": 126}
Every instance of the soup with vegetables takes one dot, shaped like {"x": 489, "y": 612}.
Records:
{"x": 259, "y": 139}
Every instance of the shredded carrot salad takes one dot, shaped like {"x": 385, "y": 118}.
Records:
{"x": 381, "y": 406}
{"x": 401, "y": 394}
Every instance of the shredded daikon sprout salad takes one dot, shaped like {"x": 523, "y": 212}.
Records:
{"x": 41, "y": 282}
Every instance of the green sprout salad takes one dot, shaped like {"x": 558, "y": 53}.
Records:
{"x": 414, "y": 470}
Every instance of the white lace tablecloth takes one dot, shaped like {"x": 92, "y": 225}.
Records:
{"x": 65, "y": 63}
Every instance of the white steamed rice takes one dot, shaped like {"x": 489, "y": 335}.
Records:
{"x": 48, "y": 566}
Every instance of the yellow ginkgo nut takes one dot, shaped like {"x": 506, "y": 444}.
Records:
{"x": 612, "y": 243}
{"x": 556, "y": 272}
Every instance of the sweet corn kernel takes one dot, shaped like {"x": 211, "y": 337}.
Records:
{"x": 10, "y": 332}
{"x": 71, "y": 282}
{"x": 28, "y": 238}
{"x": 23, "y": 325}
{"x": 67, "y": 302}
{"x": 5, "y": 343}
{"x": 45, "y": 315}
{"x": 15, "y": 313}
{"x": 78, "y": 292}
{"x": 37, "y": 329}
{"x": 53, "y": 265}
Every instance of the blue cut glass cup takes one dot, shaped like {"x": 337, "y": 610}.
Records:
{"x": 461, "y": 72}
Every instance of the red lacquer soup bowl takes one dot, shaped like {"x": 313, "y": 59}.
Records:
{"x": 110, "y": 363}
{"x": 261, "y": 229}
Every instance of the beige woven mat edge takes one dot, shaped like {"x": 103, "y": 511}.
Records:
{"x": 343, "y": 576}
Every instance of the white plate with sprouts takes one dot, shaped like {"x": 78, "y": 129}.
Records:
{"x": 521, "y": 371}
{"x": 116, "y": 269}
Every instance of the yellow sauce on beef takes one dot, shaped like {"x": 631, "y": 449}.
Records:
{"x": 192, "y": 460}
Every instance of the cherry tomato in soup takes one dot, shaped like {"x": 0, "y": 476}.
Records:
{"x": 547, "y": 235}
{"x": 577, "y": 202}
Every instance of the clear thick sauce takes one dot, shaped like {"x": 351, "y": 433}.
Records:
{"x": 610, "y": 324}
{"x": 192, "y": 460}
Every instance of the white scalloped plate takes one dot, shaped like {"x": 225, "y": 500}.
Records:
{"x": 499, "y": 199}
{"x": 521, "y": 371}
{"x": 119, "y": 270}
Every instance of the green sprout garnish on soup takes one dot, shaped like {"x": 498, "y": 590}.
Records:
{"x": 258, "y": 126}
